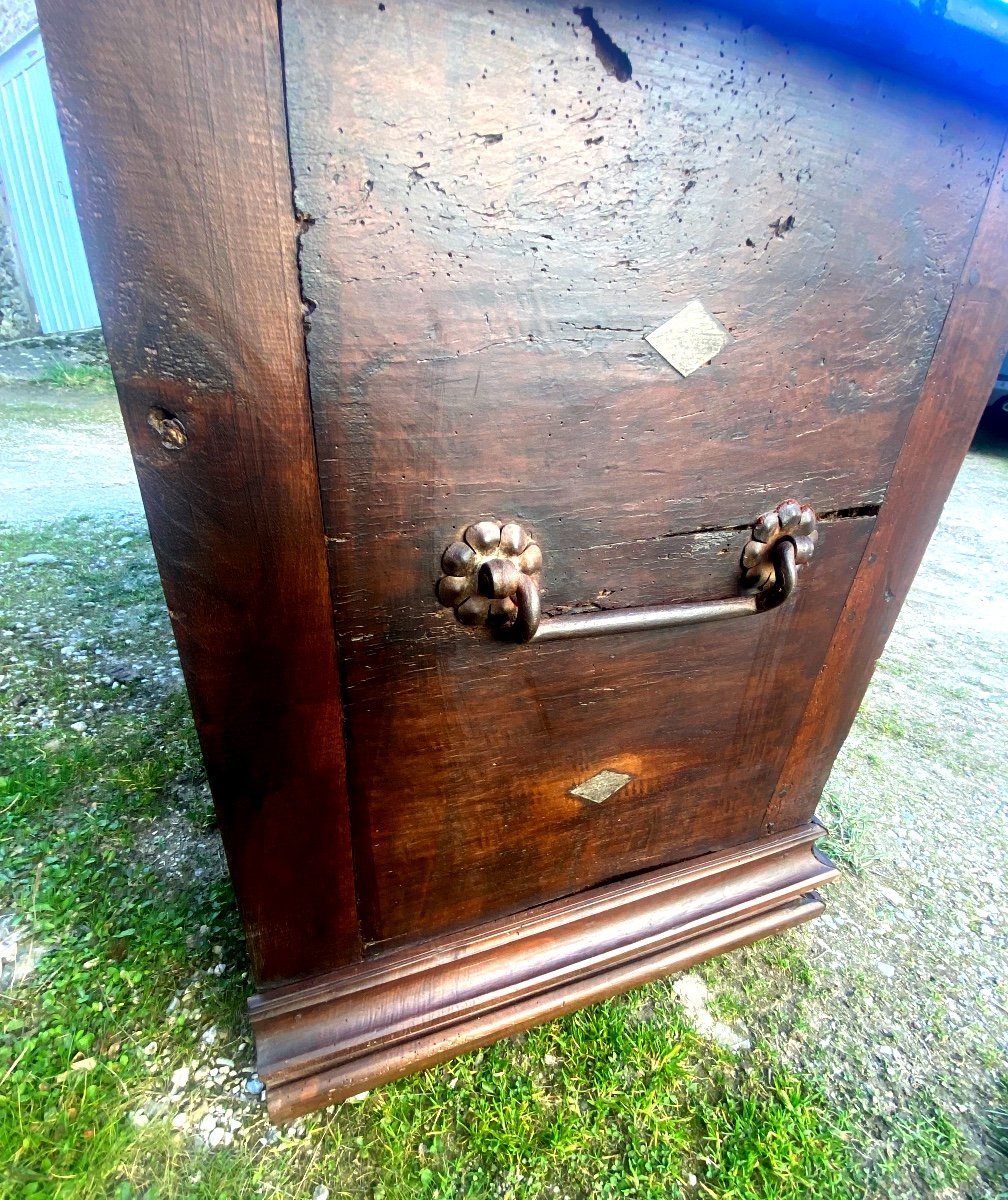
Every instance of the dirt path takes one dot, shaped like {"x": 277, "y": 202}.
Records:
{"x": 63, "y": 453}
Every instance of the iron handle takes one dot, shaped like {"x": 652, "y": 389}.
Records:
{"x": 491, "y": 578}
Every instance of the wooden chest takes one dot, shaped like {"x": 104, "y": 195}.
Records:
{"x": 540, "y": 414}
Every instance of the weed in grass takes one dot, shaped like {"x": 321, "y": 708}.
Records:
{"x": 773, "y": 1136}
{"x": 604, "y": 1104}
{"x": 758, "y": 978}
{"x": 66, "y": 376}
{"x": 883, "y": 722}
{"x": 997, "y": 1123}
{"x": 924, "y": 1143}
{"x": 849, "y": 826}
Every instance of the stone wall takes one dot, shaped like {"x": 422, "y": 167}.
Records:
{"x": 17, "y": 318}
{"x": 16, "y": 18}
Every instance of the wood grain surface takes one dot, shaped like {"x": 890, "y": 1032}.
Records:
{"x": 173, "y": 120}
{"x": 493, "y": 222}
{"x": 495, "y": 211}
{"x": 489, "y": 210}
{"x": 959, "y": 381}
{"x": 467, "y": 749}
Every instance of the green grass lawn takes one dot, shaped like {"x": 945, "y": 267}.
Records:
{"x": 144, "y": 972}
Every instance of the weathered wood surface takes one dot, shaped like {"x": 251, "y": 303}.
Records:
{"x": 467, "y": 748}
{"x": 351, "y": 1030}
{"x": 496, "y": 222}
{"x": 173, "y": 121}
{"x": 971, "y": 348}
{"x": 494, "y": 207}
{"x": 493, "y": 218}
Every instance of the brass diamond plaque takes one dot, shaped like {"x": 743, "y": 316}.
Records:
{"x": 690, "y": 339}
{"x": 601, "y": 786}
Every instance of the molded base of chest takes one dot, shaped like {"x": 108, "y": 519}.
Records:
{"x": 338, "y": 1034}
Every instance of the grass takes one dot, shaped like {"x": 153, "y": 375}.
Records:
{"x": 849, "y": 830}
{"x": 144, "y": 973}
{"x": 997, "y": 1124}
{"x": 81, "y": 376}
{"x": 890, "y": 754}
{"x": 929, "y": 1145}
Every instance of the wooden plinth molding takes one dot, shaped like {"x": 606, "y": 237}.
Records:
{"x": 335, "y": 1035}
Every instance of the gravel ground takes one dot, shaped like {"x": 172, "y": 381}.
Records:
{"x": 908, "y": 1003}
{"x": 896, "y": 998}
{"x": 27, "y": 359}
{"x": 63, "y": 453}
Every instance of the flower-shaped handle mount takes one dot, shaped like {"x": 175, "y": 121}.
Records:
{"x": 490, "y": 576}
{"x": 789, "y": 521}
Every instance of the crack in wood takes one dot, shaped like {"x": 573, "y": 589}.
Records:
{"x": 615, "y": 61}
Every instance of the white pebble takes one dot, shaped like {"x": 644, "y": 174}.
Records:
{"x": 180, "y": 1078}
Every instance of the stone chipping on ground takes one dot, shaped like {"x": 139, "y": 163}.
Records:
{"x": 64, "y": 454}
{"x": 20, "y": 952}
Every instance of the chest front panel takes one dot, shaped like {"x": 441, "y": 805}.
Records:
{"x": 496, "y": 209}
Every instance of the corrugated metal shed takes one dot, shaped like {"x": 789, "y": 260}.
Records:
{"x": 38, "y": 193}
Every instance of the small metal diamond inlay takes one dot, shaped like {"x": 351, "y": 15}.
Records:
{"x": 601, "y": 786}
{"x": 689, "y": 339}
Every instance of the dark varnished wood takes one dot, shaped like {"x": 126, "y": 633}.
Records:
{"x": 341, "y": 1034}
{"x": 173, "y": 122}
{"x": 492, "y": 236}
{"x": 971, "y": 348}
{"x": 463, "y": 801}
{"x": 486, "y": 243}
